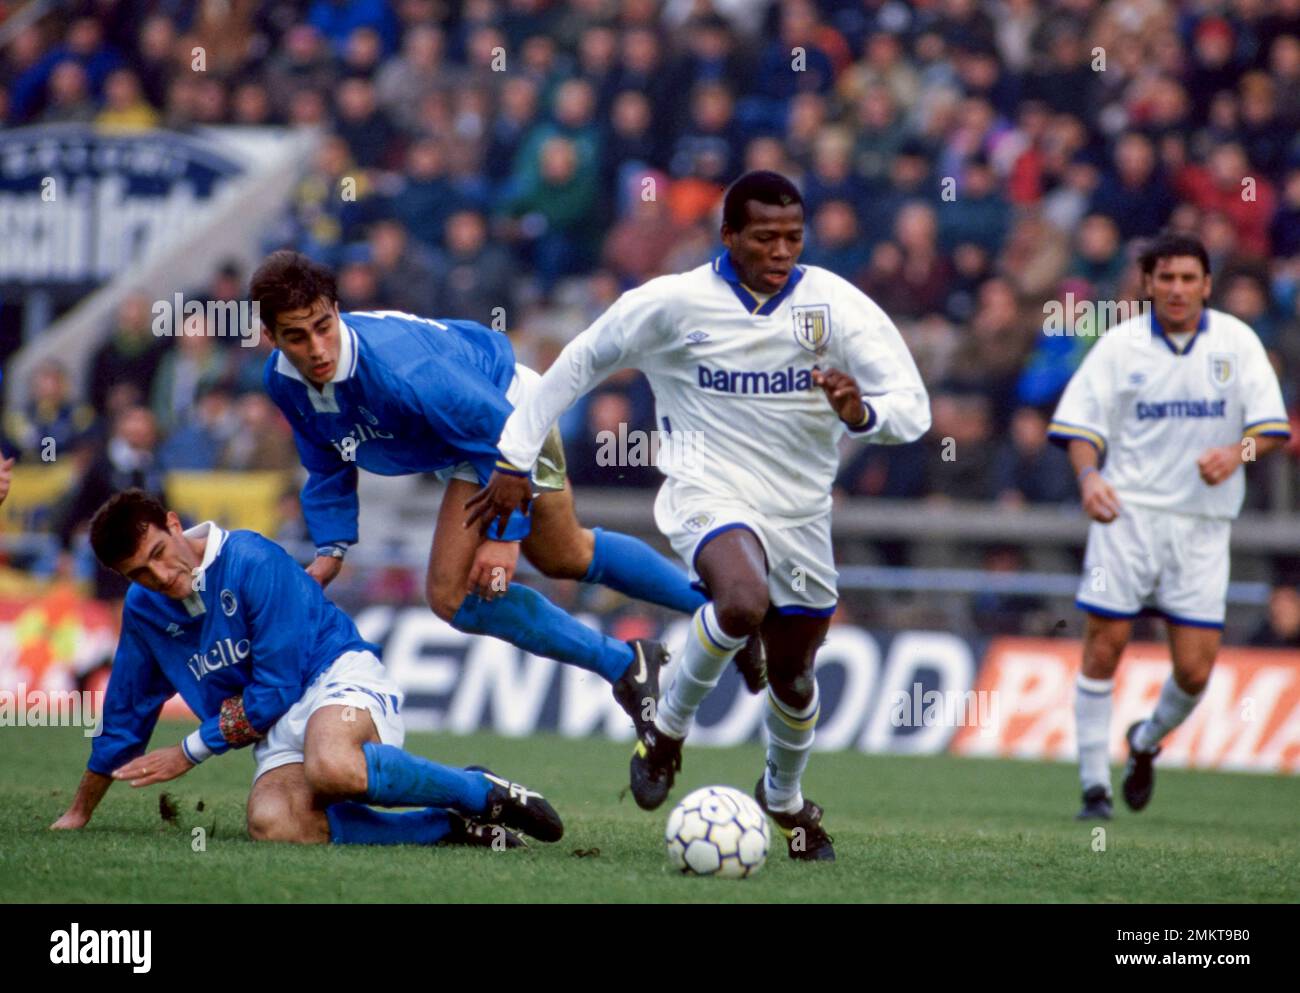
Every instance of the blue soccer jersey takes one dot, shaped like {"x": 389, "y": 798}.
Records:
{"x": 409, "y": 395}
{"x": 240, "y": 650}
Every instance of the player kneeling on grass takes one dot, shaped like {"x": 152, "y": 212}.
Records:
{"x": 230, "y": 622}
{"x": 1174, "y": 400}
{"x": 767, "y": 365}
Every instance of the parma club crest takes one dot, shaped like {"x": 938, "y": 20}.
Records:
{"x": 1223, "y": 368}
{"x": 812, "y": 327}
{"x": 698, "y": 522}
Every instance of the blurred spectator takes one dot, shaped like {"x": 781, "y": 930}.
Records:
{"x": 68, "y": 98}
{"x": 637, "y": 245}
{"x": 1281, "y": 629}
{"x": 191, "y": 362}
{"x": 125, "y": 108}
{"x": 363, "y": 124}
{"x": 337, "y": 19}
{"x": 476, "y": 277}
{"x": 83, "y": 47}
{"x": 405, "y": 270}
{"x": 357, "y": 280}
{"x": 553, "y": 206}
{"x": 960, "y": 461}
{"x": 52, "y": 421}
{"x": 1229, "y": 187}
{"x": 127, "y": 460}
{"x": 261, "y": 441}
{"x": 1028, "y": 468}
{"x": 1097, "y": 257}
{"x": 404, "y": 80}
{"x": 834, "y": 242}
{"x": 131, "y": 355}
{"x": 1135, "y": 196}
{"x": 197, "y": 440}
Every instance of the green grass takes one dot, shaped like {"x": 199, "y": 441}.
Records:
{"x": 906, "y": 829}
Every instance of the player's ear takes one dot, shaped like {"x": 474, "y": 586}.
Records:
{"x": 1205, "y": 293}
{"x": 174, "y": 527}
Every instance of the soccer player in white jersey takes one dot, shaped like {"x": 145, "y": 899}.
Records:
{"x": 1158, "y": 421}
{"x": 762, "y": 365}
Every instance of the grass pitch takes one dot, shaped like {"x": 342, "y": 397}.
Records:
{"x": 906, "y": 829}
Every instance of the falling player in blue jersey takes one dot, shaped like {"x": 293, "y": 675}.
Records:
{"x": 230, "y": 622}
{"x": 397, "y": 394}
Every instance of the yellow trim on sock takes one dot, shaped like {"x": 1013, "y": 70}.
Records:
{"x": 795, "y": 723}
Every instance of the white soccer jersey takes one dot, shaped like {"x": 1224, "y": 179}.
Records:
{"x": 1153, "y": 409}
{"x": 732, "y": 379}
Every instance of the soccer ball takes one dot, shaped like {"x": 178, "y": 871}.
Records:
{"x": 717, "y": 831}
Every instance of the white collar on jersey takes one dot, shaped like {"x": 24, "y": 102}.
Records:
{"x": 323, "y": 400}
{"x": 216, "y": 540}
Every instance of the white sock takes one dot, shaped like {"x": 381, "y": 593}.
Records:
{"x": 790, "y": 734}
{"x": 1171, "y": 710}
{"x": 1092, "y": 728}
{"x": 708, "y": 650}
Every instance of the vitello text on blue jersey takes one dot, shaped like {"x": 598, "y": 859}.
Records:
{"x": 225, "y": 652}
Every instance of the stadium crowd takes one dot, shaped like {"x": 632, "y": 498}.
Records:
{"x": 521, "y": 162}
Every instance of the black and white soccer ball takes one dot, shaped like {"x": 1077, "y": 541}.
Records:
{"x": 718, "y": 831}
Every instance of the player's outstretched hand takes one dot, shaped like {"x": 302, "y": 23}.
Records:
{"x": 493, "y": 568}
{"x": 843, "y": 393}
{"x": 158, "y": 766}
{"x": 1100, "y": 501}
{"x": 1217, "y": 464}
{"x": 503, "y": 494}
{"x": 6, "y": 476}
{"x": 324, "y": 568}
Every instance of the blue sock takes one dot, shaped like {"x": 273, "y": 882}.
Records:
{"x": 395, "y": 778}
{"x": 525, "y": 618}
{"x": 632, "y": 567}
{"x": 356, "y": 824}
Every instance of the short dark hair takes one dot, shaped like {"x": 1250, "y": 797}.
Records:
{"x": 1171, "y": 244}
{"x": 762, "y": 185}
{"x": 288, "y": 280}
{"x": 118, "y": 526}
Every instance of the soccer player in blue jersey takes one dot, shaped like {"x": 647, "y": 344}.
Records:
{"x": 394, "y": 394}
{"x": 230, "y": 622}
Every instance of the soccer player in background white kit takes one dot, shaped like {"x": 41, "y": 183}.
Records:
{"x": 1174, "y": 401}
{"x": 748, "y": 354}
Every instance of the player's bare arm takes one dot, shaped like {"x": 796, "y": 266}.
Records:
{"x": 1217, "y": 464}
{"x": 90, "y": 791}
{"x": 1100, "y": 501}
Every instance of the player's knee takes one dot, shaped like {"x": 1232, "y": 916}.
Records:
{"x": 796, "y": 691}
{"x": 741, "y": 609}
{"x": 271, "y": 820}
{"x": 1192, "y": 682}
{"x": 336, "y": 772}
{"x": 444, "y": 601}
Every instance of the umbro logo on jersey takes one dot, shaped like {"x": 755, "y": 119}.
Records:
{"x": 1136, "y": 378}
{"x": 697, "y": 337}
{"x": 174, "y": 629}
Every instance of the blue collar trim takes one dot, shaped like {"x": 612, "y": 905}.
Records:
{"x": 752, "y": 303}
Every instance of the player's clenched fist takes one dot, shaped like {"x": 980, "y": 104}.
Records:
{"x": 1217, "y": 464}
{"x": 1100, "y": 501}
{"x": 842, "y": 391}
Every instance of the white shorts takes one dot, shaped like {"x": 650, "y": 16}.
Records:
{"x": 549, "y": 474}
{"x": 354, "y": 679}
{"x": 800, "y": 561}
{"x": 1147, "y": 558}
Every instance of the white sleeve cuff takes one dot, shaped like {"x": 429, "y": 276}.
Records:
{"x": 194, "y": 747}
